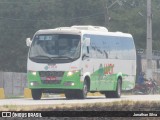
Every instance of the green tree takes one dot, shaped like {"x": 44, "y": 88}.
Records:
{"x": 20, "y": 19}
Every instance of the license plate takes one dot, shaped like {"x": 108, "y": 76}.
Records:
{"x": 51, "y": 78}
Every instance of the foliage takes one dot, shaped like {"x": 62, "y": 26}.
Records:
{"x": 20, "y": 19}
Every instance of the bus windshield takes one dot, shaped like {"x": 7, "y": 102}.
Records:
{"x": 55, "y": 46}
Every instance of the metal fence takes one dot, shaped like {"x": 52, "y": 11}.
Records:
{"x": 143, "y": 53}
{"x": 13, "y": 83}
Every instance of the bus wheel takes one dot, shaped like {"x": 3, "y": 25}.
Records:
{"x": 36, "y": 94}
{"x": 82, "y": 94}
{"x": 115, "y": 94}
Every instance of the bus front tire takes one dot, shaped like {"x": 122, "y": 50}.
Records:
{"x": 82, "y": 94}
{"x": 117, "y": 93}
{"x": 78, "y": 94}
{"x": 36, "y": 94}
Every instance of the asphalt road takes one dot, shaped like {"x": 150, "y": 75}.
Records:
{"x": 61, "y": 100}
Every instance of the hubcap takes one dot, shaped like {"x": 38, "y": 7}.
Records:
{"x": 85, "y": 90}
{"x": 119, "y": 88}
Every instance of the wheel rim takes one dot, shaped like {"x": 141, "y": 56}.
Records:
{"x": 119, "y": 88}
{"x": 85, "y": 90}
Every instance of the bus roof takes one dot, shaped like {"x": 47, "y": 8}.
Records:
{"x": 97, "y": 30}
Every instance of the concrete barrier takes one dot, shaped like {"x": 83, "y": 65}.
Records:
{"x": 2, "y": 95}
{"x": 13, "y": 83}
{"x": 27, "y": 93}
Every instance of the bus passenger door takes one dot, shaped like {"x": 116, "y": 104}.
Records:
{"x": 87, "y": 66}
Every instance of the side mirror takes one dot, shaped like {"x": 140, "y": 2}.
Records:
{"x": 87, "y": 41}
{"x": 28, "y": 42}
{"x": 84, "y": 56}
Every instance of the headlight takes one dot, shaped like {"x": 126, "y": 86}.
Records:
{"x": 70, "y": 73}
{"x": 31, "y": 83}
{"x": 34, "y": 83}
{"x": 69, "y": 83}
{"x": 34, "y": 73}
{"x": 72, "y": 84}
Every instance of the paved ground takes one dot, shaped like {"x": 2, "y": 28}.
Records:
{"x": 61, "y": 100}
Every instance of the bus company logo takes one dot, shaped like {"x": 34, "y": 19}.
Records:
{"x": 109, "y": 69}
{"x": 46, "y": 67}
{"x": 6, "y": 114}
{"x": 50, "y": 66}
{"x": 20, "y": 114}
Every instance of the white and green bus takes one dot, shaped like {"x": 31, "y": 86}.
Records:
{"x": 80, "y": 59}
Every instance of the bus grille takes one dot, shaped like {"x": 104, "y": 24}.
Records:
{"x": 51, "y": 77}
{"x": 51, "y": 73}
{"x": 51, "y": 82}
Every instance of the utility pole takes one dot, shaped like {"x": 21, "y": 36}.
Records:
{"x": 149, "y": 40}
{"x": 106, "y": 15}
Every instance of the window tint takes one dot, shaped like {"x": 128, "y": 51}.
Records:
{"x": 111, "y": 47}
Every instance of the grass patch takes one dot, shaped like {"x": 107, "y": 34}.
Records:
{"x": 14, "y": 97}
{"x": 111, "y": 106}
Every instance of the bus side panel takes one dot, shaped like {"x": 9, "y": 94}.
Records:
{"x": 109, "y": 56}
{"x": 106, "y": 74}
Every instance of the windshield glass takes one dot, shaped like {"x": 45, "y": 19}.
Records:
{"x": 55, "y": 46}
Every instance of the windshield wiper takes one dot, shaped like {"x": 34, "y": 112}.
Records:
{"x": 41, "y": 57}
{"x": 65, "y": 57}
{"x": 51, "y": 58}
